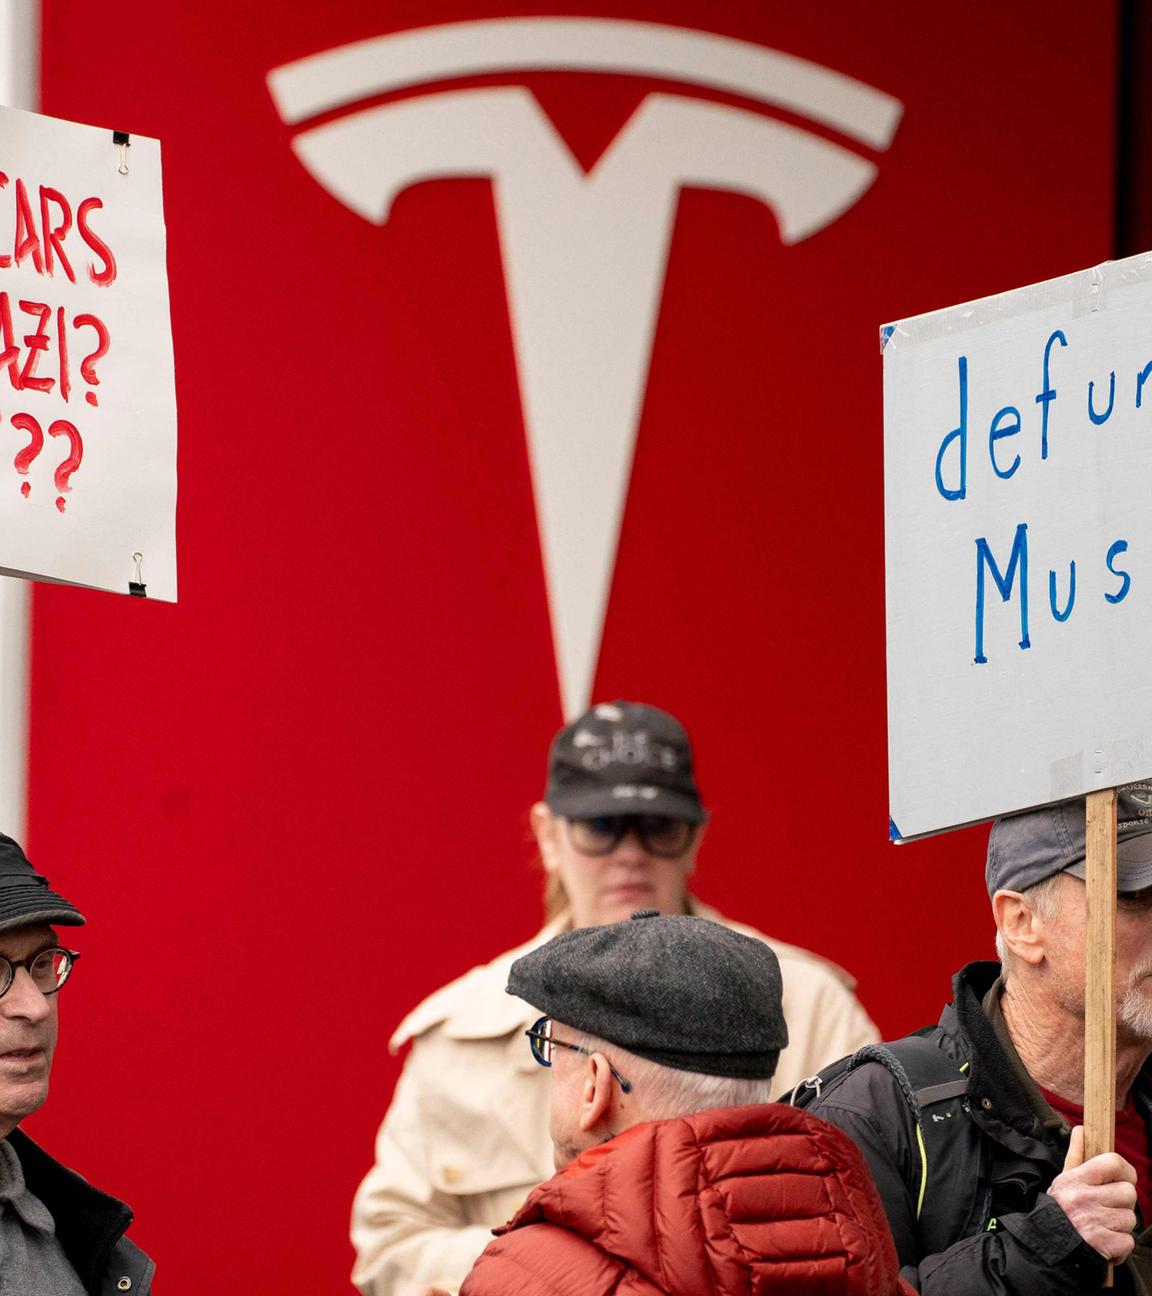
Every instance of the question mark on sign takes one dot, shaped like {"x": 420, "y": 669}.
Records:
{"x": 23, "y": 460}
{"x": 88, "y": 364}
{"x": 63, "y": 428}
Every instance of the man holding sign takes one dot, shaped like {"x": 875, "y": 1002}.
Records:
{"x": 972, "y": 1130}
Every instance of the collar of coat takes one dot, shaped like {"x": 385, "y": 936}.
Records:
{"x": 704, "y": 1203}
{"x": 475, "y": 1007}
{"x": 998, "y": 1101}
{"x": 89, "y": 1222}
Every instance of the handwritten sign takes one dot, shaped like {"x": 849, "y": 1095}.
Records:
{"x": 87, "y": 391}
{"x": 1018, "y": 526}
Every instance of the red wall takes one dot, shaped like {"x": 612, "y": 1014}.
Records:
{"x": 296, "y": 802}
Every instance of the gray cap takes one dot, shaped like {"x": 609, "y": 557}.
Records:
{"x": 684, "y": 992}
{"x": 25, "y": 898}
{"x": 1024, "y": 849}
{"x": 623, "y": 758}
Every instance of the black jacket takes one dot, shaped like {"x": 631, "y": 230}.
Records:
{"x": 986, "y": 1223}
{"x": 90, "y": 1225}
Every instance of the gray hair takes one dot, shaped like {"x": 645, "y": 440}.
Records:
{"x": 666, "y": 1092}
{"x": 1042, "y": 899}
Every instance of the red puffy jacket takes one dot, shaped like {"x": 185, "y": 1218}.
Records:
{"x": 737, "y": 1200}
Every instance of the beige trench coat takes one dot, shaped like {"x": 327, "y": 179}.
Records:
{"x": 466, "y": 1136}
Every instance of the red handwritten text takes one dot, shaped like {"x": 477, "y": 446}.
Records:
{"x": 48, "y": 341}
{"x": 28, "y": 453}
{"x": 41, "y": 236}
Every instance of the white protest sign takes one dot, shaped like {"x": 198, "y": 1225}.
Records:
{"x": 87, "y": 390}
{"x": 1018, "y": 532}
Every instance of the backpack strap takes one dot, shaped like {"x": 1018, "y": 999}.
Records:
{"x": 815, "y": 1086}
{"x": 942, "y": 1092}
{"x": 935, "y": 1076}
{"x": 925, "y": 1075}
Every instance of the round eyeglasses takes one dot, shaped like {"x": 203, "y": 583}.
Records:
{"x": 49, "y": 970}
{"x": 541, "y": 1039}
{"x": 660, "y": 835}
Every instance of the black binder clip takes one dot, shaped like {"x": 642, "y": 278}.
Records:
{"x": 123, "y": 141}
{"x": 137, "y": 586}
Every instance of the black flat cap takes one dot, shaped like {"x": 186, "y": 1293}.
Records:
{"x": 25, "y": 897}
{"x": 684, "y": 992}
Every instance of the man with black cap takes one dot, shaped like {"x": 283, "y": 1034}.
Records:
{"x": 675, "y": 1176}
{"x": 58, "y": 1235}
{"x": 973, "y": 1129}
{"x": 466, "y": 1136}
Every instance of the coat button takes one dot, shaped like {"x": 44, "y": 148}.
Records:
{"x": 451, "y": 1174}
{"x": 986, "y": 1103}
{"x": 125, "y": 1284}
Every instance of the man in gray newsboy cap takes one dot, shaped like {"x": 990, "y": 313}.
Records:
{"x": 58, "y": 1235}
{"x": 674, "y": 1173}
{"x": 983, "y": 1177}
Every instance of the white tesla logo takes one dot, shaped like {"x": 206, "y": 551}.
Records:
{"x": 584, "y": 254}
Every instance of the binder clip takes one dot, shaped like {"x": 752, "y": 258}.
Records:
{"x": 123, "y": 141}
{"x": 137, "y": 586}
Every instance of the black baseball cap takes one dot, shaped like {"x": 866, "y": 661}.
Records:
{"x": 25, "y": 897}
{"x": 623, "y": 758}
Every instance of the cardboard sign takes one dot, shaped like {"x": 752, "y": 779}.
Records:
{"x": 87, "y": 391}
{"x": 1018, "y": 469}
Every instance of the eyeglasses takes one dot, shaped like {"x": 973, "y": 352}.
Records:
{"x": 49, "y": 970}
{"x": 660, "y": 835}
{"x": 540, "y": 1038}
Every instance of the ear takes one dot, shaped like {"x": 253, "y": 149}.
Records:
{"x": 1023, "y": 931}
{"x": 546, "y": 830}
{"x": 596, "y": 1097}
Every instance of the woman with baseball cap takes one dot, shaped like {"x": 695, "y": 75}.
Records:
{"x": 466, "y": 1137}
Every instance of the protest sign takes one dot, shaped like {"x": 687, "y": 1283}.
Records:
{"x": 1018, "y": 458}
{"x": 87, "y": 390}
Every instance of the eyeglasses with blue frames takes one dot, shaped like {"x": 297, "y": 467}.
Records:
{"x": 660, "y": 835}
{"x": 542, "y": 1042}
{"x": 49, "y": 970}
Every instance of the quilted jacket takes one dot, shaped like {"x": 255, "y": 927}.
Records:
{"x": 466, "y": 1137}
{"x": 734, "y": 1200}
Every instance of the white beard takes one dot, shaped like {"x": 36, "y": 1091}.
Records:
{"x": 1136, "y": 1004}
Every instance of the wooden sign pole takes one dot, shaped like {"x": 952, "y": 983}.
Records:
{"x": 1099, "y": 978}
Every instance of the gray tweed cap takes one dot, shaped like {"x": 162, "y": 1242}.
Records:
{"x": 684, "y": 992}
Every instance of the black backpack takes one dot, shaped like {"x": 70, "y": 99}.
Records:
{"x": 967, "y": 1180}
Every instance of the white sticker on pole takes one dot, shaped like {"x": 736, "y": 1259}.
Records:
{"x": 1018, "y": 532}
{"x": 87, "y": 390}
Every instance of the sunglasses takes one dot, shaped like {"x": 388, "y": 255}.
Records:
{"x": 660, "y": 835}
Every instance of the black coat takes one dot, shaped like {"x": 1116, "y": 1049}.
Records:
{"x": 90, "y": 1225}
{"x": 986, "y": 1224}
